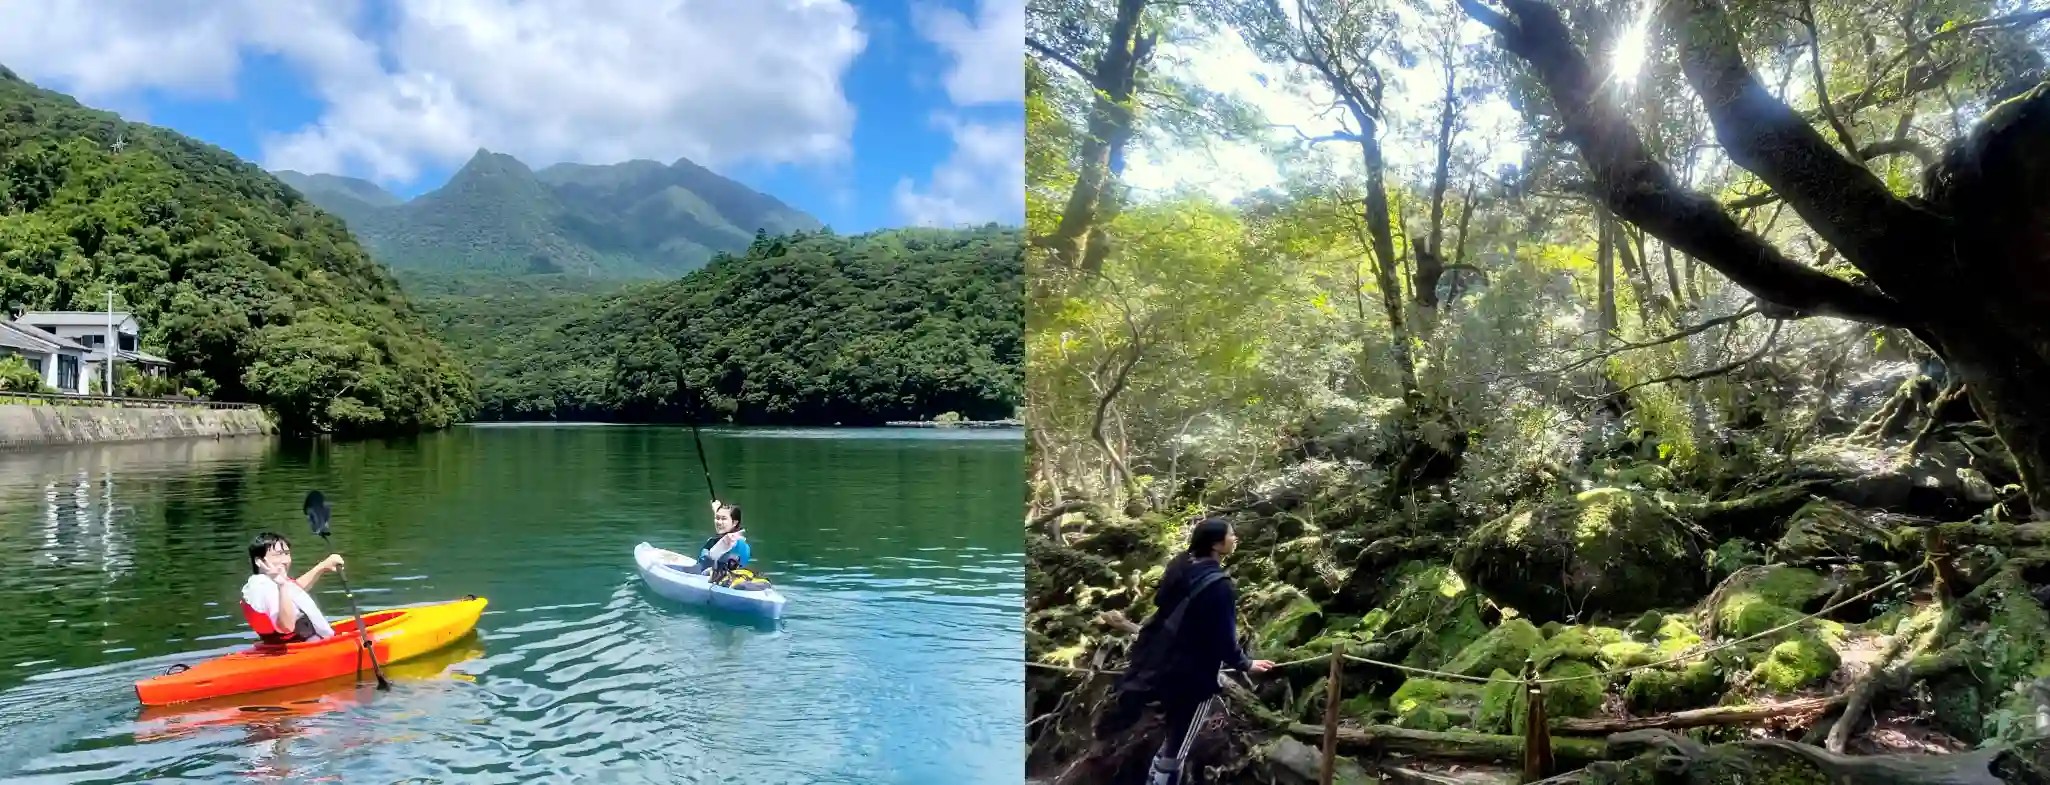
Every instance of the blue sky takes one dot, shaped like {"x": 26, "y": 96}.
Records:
{"x": 867, "y": 114}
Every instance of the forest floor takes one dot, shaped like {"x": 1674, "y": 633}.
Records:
{"x": 1862, "y": 610}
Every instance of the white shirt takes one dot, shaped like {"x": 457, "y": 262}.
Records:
{"x": 262, "y": 594}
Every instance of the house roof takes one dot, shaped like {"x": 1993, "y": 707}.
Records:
{"x": 75, "y": 318}
{"x": 29, "y": 337}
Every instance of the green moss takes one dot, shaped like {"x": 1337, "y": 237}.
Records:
{"x": 1433, "y": 598}
{"x": 1605, "y": 548}
{"x": 1293, "y": 625}
{"x": 1734, "y": 555}
{"x": 1766, "y": 599}
{"x": 1578, "y": 643}
{"x": 1498, "y": 701}
{"x": 1502, "y": 709}
{"x": 1646, "y": 626}
{"x": 1796, "y": 663}
{"x": 1505, "y": 646}
{"x": 1675, "y": 636}
{"x": 1551, "y": 628}
{"x": 1626, "y": 654}
{"x": 1581, "y": 697}
{"x": 1661, "y": 690}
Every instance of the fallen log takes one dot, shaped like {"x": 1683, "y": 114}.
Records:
{"x": 1697, "y": 718}
{"x": 1451, "y": 745}
{"x": 1662, "y": 756}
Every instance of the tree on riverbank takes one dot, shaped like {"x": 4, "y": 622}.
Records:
{"x": 809, "y": 328}
{"x": 252, "y": 292}
{"x": 1593, "y": 334}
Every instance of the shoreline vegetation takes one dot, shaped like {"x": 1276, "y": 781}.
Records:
{"x": 1667, "y": 414}
{"x": 257, "y": 294}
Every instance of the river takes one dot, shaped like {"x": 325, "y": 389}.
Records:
{"x": 896, "y": 660}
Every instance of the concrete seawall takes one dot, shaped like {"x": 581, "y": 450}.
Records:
{"x": 29, "y": 425}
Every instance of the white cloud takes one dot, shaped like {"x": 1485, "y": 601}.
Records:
{"x": 988, "y": 52}
{"x": 594, "y": 81}
{"x": 982, "y": 180}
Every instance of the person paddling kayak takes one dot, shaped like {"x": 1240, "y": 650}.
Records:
{"x": 275, "y": 603}
{"x": 726, "y": 550}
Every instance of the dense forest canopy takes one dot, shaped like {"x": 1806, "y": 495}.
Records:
{"x": 808, "y": 328}
{"x": 635, "y": 219}
{"x": 250, "y": 290}
{"x": 1569, "y": 312}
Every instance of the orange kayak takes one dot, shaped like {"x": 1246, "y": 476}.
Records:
{"x": 396, "y": 635}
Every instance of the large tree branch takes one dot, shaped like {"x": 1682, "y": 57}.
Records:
{"x": 1055, "y": 55}
{"x": 1845, "y": 203}
{"x": 1644, "y": 192}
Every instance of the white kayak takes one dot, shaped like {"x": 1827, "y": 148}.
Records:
{"x": 662, "y": 571}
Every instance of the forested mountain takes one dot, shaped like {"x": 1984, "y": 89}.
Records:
{"x": 807, "y": 328}
{"x": 496, "y": 217}
{"x": 1689, "y": 357}
{"x": 253, "y": 292}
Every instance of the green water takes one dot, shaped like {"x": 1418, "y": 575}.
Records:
{"x": 896, "y": 660}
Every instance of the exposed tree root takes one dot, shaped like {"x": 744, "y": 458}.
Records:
{"x": 1697, "y": 718}
{"x": 1452, "y": 745}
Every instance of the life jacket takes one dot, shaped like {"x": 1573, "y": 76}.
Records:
{"x": 268, "y": 631}
{"x": 733, "y": 576}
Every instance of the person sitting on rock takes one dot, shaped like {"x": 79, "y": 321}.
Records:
{"x": 1175, "y": 661}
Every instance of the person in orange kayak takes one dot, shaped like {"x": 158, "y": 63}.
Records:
{"x": 275, "y": 603}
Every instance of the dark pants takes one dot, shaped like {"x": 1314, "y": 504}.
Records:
{"x": 1183, "y": 722}
{"x": 694, "y": 569}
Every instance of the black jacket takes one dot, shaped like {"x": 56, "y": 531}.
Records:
{"x": 1179, "y": 663}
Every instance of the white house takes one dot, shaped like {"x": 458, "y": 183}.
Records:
{"x": 91, "y": 329}
{"x": 59, "y": 360}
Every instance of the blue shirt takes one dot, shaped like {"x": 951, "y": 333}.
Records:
{"x": 739, "y": 551}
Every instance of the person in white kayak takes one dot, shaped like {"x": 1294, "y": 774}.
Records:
{"x": 275, "y": 603}
{"x": 727, "y": 550}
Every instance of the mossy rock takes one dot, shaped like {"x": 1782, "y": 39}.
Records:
{"x": 1606, "y": 548}
{"x": 1661, "y": 690}
{"x": 2008, "y": 652}
{"x": 1058, "y": 572}
{"x": 1296, "y": 623}
{"x": 1502, "y": 708}
{"x": 1733, "y": 555}
{"x": 1767, "y": 597}
{"x": 1433, "y": 598}
{"x": 1506, "y": 646}
{"x": 1626, "y": 654}
{"x": 1646, "y": 626}
{"x": 1432, "y": 704}
{"x": 1582, "y": 643}
{"x": 1824, "y": 527}
{"x": 1793, "y": 664}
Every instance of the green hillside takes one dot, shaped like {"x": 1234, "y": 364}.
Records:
{"x": 251, "y": 290}
{"x": 810, "y": 328}
{"x": 497, "y": 217}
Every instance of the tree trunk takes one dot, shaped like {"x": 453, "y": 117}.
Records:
{"x": 1384, "y": 251}
{"x": 1110, "y": 127}
{"x": 1605, "y": 274}
{"x": 1430, "y": 260}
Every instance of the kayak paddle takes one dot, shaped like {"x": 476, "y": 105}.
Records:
{"x": 317, "y": 516}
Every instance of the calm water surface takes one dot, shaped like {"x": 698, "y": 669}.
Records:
{"x": 896, "y": 662}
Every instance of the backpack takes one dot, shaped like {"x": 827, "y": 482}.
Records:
{"x": 1155, "y": 647}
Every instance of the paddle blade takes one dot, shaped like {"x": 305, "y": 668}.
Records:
{"x": 317, "y": 513}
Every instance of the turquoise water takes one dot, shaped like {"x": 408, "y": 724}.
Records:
{"x": 896, "y": 661}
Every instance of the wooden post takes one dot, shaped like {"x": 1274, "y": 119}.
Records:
{"x": 1537, "y": 735}
{"x": 1331, "y": 714}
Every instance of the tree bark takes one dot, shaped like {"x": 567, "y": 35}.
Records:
{"x": 1430, "y": 261}
{"x": 1697, "y": 718}
{"x": 1605, "y": 275}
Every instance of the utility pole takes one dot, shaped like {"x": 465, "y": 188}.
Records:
{"x": 113, "y": 342}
